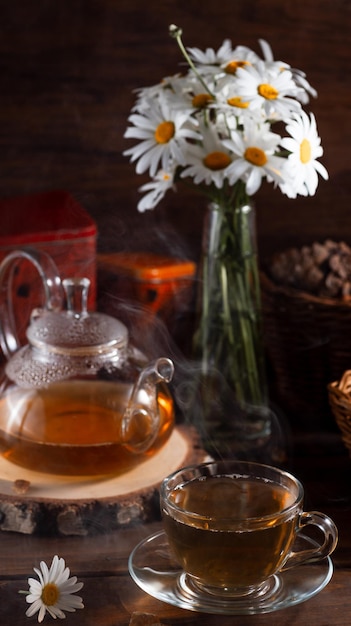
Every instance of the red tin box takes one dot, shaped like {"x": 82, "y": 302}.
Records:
{"x": 53, "y": 222}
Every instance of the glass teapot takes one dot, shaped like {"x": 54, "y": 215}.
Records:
{"x": 78, "y": 398}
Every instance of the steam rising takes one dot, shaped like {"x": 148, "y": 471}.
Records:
{"x": 223, "y": 436}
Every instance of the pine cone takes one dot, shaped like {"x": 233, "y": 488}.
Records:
{"x": 322, "y": 269}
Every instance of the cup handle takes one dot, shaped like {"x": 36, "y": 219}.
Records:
{"x": 320, "y": 551}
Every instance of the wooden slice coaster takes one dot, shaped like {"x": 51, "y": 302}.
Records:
{"x": 37, "y": 503}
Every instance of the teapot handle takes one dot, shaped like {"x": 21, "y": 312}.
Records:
{"x": 54, "y": 296}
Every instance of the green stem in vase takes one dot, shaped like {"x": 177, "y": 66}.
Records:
{"x": 229, "y": 333}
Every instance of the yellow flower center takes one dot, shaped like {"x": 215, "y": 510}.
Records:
{"x": 50, "y": 594}
{"x": 232, "y": 66}
{"x": 201, "y": 100}
{"x": 256, "y": 156}
{"x": 268, "y": 91}
{"x": 305, "y": 151}
{"x": 164, "y": 132}
{"x": 217, "y": 160}
{"x": 237, "y": 102}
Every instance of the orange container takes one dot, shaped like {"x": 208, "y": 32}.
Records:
{"x": 161, "y": 285}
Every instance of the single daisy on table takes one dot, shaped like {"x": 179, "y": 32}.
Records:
{"x": 53, "y": 592}
{"x": 304, "y": 147}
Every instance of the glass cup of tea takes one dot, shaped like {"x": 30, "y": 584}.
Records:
{"x": 234, "y": 525}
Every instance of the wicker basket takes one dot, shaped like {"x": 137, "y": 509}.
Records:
{"x": 308, "y": 345}
{"x": 340, "y": 402}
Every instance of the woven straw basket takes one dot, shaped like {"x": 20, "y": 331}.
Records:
{"x": 340, "y": 402}
{"x": 308, "y": 345}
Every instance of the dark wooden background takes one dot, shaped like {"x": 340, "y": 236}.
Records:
{"x": 68, "y": 69}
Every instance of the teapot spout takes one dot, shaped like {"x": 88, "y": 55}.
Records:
{"x": 141, "y": 420}
{"x": 159, "y": 371}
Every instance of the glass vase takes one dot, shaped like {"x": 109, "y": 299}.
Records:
{"x": 230, "y": 406}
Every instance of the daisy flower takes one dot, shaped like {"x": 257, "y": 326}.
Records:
{"x": 189, "y": 95}
{"x": 229, "y": 103}
{"x": 228, "y": 99}
{"x": 225, "y": 60}
{"x": 157, "y": 189}
{"x": 239, "y": 58}
{"x": 255, "y": 149}
{"x": 272, "y": 91}
{"x": 146, "y": 94}
{"x": 269, "y": 58}
{"x": 53, "y": 591}
{"x": 210, "y": 56}
{"x": 208, "y": 163}
{"x": 298, "y": 76}
{"x": 304, "y": 146}
{"x": 163, "y": 131}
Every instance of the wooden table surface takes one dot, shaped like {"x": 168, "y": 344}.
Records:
{"x": 110, "y": 595}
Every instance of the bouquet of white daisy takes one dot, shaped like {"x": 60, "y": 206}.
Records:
{"x": 213, "y": 126}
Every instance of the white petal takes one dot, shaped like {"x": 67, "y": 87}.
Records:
{"x": 70, "y": 603}
{"x": 321, "y": 170}
{"x": 70, "y": 588}
{"x": 134, "y": 132}
{"x": 311, "y": 181}
{"x": 139, "y": 149}
{"x": 254, "y": 181}
{"x": 55, "y": 612}
{"x": 34, "y": 608}
{"x": 236, "y": 170}
{"x": 34, "y": 585}
{"x": 40, "y": 575}
{"x": 42, "y": 612}
{"x": 45, "y": 572}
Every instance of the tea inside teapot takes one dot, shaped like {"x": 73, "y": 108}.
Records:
{"x": 79, "y": 399}
{"x": 74, "y": 427}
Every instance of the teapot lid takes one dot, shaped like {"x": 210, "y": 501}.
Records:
{"x": 76, "y": 331}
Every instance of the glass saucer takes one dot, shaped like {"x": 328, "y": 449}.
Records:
{"x": 154, "y": 570}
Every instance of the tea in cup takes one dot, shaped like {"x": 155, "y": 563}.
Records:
{"x": 232, "y": 525}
